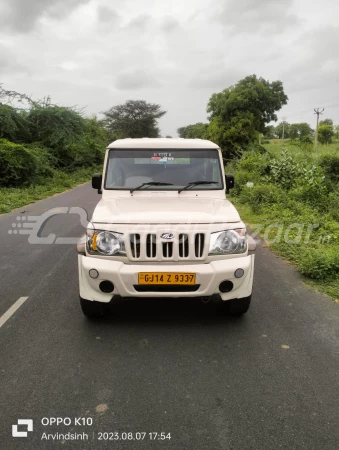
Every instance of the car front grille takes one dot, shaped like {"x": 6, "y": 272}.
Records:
{"x": 150, "y": 246}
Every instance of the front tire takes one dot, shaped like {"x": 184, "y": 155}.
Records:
{"x": 236, "y": 307}
{"x": 92, "y": 309}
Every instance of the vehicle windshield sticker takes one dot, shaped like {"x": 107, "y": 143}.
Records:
{"x": 162, "y": 155}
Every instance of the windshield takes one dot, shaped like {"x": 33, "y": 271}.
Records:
{"x": 128, "y": 169}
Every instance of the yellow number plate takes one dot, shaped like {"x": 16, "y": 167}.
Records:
{"x": 166, "y": 278}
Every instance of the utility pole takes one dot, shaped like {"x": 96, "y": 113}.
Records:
{"x": 283, "y": 133}
{"x": 317, "y": 112}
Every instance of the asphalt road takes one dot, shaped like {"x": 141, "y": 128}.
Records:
{"x": 266, "y": 381}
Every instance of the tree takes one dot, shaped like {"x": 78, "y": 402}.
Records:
{"x": 326, "y": 122}
{"x": 134, "y": 119}
{"x": 197, "y": 130}
{"x": 325, "y": 134}
{"x": 13, "y": 124}
{"x": 239, "y": 113}
{"x": 300, "y": 130}
{"x": 270, "y": 132}
{"x": 283, "y": 127}
{"x": 235, "y": 136}
{"x": 57, "y": 128}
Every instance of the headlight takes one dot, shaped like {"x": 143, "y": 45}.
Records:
{"x": 226, "y": 242}
{"x": 102, "y": 242}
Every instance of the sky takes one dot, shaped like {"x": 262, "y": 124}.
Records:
{"x": 100, "y": 53}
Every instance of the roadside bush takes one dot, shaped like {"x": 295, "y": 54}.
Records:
{"x": 81, "y": 154}
{"x": 311, "y": 187}
{"x": 303, "y": 143}
{"x": 284, "y": 171}
{"x": 320, "y": 263}
{"x": 90, "y": 147}
{"x": 57, "y": 128}
{"x": 301, "y": 188}
{"x": 330, "y": 165}
{"x": 306, "y": 140}
{"x": 241, "y": 179}
{"x": 18, "y": 165}
{"x": 14, "y": 125}
{"x": 310, "y": 196}
{"x": 333, "y": 204}
{"x": 45, "y": 161}
{"x": 260, "y": 195}
{"x": 255, "y": 161}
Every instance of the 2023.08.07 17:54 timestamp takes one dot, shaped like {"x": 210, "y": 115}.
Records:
{"x": 133, "y": 436}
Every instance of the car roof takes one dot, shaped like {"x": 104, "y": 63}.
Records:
{"x": 163, "y": 143}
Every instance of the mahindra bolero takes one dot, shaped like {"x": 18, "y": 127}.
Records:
{"x": 165, "y": 228}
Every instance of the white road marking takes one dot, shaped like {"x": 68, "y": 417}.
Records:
{"x": 9, "y": 313}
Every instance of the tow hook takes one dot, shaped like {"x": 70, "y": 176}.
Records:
{"x": 206, "y": 299}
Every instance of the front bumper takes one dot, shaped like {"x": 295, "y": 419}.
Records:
{"x": 125, "y": 276}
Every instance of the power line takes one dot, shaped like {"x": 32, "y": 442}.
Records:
{"x": 299, "y": 112}
{"x": 307, "y": 110}
{"x": 331, "y": 106}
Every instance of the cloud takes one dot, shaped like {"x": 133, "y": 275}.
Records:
{"x": 135, "y": 79}
{"x": 312, "y": 61}
{"x": 100, "y": 53}
{"x": 107, "y": 15}
{"x": 216, "y": 78}
{"x": 263, "y": 16}
{"x": 22, "y": 16}
{"x": 9, "y": 61}
{"x": 140, "y": 22}
{"x": 169, "y": 24}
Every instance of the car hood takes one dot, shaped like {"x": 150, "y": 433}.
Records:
{"x": 169, "y": 210}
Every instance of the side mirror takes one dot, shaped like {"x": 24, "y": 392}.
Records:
{"x": 229, "y": 182}
{"x": 97, "y": 182}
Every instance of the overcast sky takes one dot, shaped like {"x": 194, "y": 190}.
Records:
{"x": 176, "y": 53}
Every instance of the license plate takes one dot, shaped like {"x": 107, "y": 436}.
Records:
{"x": 166, "y": 278}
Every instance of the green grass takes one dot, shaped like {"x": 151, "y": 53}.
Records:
{"x": 12, "y": 198}
{"x": 330, "y": 286}
{"x": 298, "y": 196}
{"x": 305, "y": 152}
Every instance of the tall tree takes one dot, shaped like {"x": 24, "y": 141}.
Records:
{"x": 240, "y": 112}
{"x": 134, "y": 119}
{"x": 283, "y": 128}
{"x": 300, "y": 130}
{"x": 325, "y": 134}
{"x": 325, "y": 131}
{"x": 197, "y": 130}
{"x": 326, "y": 122}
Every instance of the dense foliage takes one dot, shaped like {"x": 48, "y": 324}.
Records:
{"x": 41, "y": 138}
{"x": 238, "y": 114}
{"x": 291, "y": 186}
{"x": 134, "y": 119}
{"x": 325, "y": 133}
{"x": 289, "y": 131}
{"x": 195, "y": 131}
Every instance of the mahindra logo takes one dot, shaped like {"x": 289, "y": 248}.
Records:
{"x": 167, "y": 236}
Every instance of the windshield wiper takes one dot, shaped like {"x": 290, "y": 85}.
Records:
{"x": 150, "y": 183}
{"x": 195, "y": 183}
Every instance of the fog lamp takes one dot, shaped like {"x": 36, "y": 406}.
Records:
{"x": 93, "y": 273}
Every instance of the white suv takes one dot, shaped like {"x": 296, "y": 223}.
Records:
{"x": 164, "y": 228}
